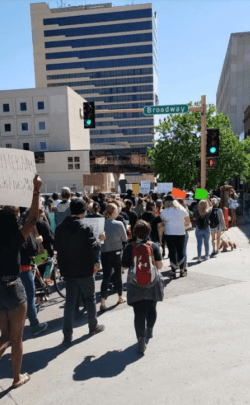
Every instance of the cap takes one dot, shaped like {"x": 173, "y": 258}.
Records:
{"x": 78, "y": 206}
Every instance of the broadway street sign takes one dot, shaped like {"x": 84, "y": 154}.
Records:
{"x": 165, "y": 109}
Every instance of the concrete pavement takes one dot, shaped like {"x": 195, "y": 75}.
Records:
{"x": 199, "y": 354}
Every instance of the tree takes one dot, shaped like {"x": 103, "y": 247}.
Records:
{"x": 175, "y": 153}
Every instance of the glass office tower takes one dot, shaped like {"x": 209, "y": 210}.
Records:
{"x": 108, "y": 55}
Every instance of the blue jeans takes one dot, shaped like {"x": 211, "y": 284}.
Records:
{"x": 200, "y": 235}
{"x": 75, "y": 285}
{"x": 29, "y": 285}
{"x": 185, "y": 247}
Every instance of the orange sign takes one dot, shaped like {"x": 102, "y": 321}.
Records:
{"x": 178, "y": 193}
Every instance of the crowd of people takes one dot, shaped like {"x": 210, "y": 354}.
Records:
{"x": 137, "y": 233}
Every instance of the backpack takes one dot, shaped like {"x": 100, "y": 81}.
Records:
{"x": 214, "y": 220}
{"x": 203, "y": 222}
{"x": 143, "y": 263}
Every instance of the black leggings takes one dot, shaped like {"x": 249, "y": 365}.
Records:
{"x": 175, "y": 245}
{"x": 111, "y": 260}
{"x": 145, "y": 312}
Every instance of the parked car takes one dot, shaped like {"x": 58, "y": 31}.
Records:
{"x": 190, "y": 201}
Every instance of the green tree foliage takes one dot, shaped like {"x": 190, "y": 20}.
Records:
{"x": 175, "y": 153}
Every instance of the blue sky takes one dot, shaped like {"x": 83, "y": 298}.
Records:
{"x": 193, "y": 36}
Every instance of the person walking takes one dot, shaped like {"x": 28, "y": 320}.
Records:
{"x": 133, "y": 217}
{"x": 63, "y": 208}
{"x": 139, "y": 209}
{"x": 111, "y": 252}
{"x": 13, "y": 300}
{"x": 182, "y": 203}
{"x": 233, "y": 204}
{"x": 77, "y": 254}
{"x": 203, "y": 231}
{"x": 217, "y": 225}
{"x": 174, "y": 234}
{"x": 143, "y": 298}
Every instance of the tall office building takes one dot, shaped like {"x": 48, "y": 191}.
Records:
{"x": 233, "y": 93}
{"x": 108, "y": 55}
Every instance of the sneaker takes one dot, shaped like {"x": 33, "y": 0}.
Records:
{"x": 172, "y": 275}
{"x": 207, "y": 257}
{"x": 39, "y": 328}
{"x": 149, "y": 333}
{"x": 142, "y": 345}
{"x": 199, "y": 260}
{"x": 100, "y": 328}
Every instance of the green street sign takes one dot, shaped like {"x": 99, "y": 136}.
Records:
{"x": 166, "y": 109}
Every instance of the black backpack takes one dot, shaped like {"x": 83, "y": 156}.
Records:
{"x": 214, "y": 220}
{"x": 203, "y": 222}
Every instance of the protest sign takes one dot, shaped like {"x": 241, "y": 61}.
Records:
{"x": 17, "y": 171}
{"x": 164, "y": 187}
{"x": 179, "y": 193}
{"x": 144, "y": 190}
{"x": 97, "y": 225}
{"x": 201, "y": 194}
{"x": 145, "y": 184}
{"x": 136, "y": 188}
{"x": 128, "y": 187}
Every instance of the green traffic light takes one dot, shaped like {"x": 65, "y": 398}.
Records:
{"x": 213, "y": 150}
{"x": 88, "y": 122}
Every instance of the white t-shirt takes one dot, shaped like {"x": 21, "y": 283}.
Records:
{"x": 175, "y": 220}
{"x": 56, "y": 202}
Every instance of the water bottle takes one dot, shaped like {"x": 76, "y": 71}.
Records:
{"x": 47, "y": 271}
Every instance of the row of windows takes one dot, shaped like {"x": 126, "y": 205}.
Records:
{"x": 118, "y": 90}
{"x": 26, "y": 146}
{"x": 25, "y": 126}
{"x": 133, "y": 123}
{"x": 23, "y": 106}
{"x": 130, "y": 131}
{"x": 99, "y": 30}
{"x": 97, "y": 75}
{"x": 95, "y": 18}
{"x": 90, "y": 42}
{"x": 121, "y": 152}
{"x": 115, "y": 99}
{"x": 138, "y": 139}
{"x": 103, "y": 64}
{"x": 123, "y": 106}
{"x": 101, "y": 53}
{"x": 118, "y": 116}
{"x": 102, "y": 83}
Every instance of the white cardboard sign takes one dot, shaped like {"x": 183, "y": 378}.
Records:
{"x": 144, "y": 190}
{"x": 97, "y": 225}
{"x": 164, "y": 187}
{"x": 145, "y": 184}
{"x": 17, "y": 171}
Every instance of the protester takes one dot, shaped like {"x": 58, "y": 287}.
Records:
{"x": 111, "y": 252}
{"x": 56, "y": 200}
{"x": 217, "y": 225}
{"x": 130, "y": 196}
{"x": 77, "y": 254}
{"x": 149, "y": 214}
{"x": 13, "y": 300}
{"x": 143, "y": 298}
{"x": 233, "y": 204}
{"x": 158, "y": 207}
{"x": 139, "y": 209}
{"x": 102, "y": 202}
{"x": 182, "y": 203}
{"x": 174, "y": 233}
{"x": 202, "y": 224}
{"x": 133, "y": 217}
{"x": 95, "y": 211}
{"x": 63, "y": 208}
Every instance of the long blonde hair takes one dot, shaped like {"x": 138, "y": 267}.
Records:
{"x": 203, "y": 207}
{"x": 175, "y": 204}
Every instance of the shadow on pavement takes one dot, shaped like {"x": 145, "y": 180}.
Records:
{"x": 109, "y": 365}
{"x": 3, "y": 393}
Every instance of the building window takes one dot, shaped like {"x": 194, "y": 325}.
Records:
{"x": 70, "y": 166}
{"x": 25, "y": 126}
{"x": 77, "y": 159}
{"x": 40, "y": 105}
{"x": 77, "y": 166}
{"x": 6, "y": 107}
{"x": 43, "y": 145}
{"x": 70, "y": 159}
{"x": 41, "y": 126}
{"x": 7, "y": 127}
{"x": 39, "y": 157}
{"x": 23, "y": 107}
{"x": 26, "y": 146}
{"x": 8, "y": 145}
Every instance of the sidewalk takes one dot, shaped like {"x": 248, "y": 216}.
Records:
{"x": 199, "y": 354}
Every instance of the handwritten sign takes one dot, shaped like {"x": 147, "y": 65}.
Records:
{"x": 17, "y": 171}
{"x": 97, "y": 225}
{"x": 144, "y": 190}
{"x": 201, "y": 194}
{"x": 145, "y": 184}
{"x": 136, "y": 188}
{"x": 164, "y": 187}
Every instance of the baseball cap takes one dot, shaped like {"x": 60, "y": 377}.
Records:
{"x": 78, "y": 206}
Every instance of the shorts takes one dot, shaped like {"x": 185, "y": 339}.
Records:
{"x": 13, "y": 295}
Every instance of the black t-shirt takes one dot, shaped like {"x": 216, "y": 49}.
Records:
{"x": 148, "y": 216}
{"x": 127, "y": 254}
{"x": 154, "y": 228}
{"x": 44, "y": 229}
{"x": 132, "y": 217}
{"x": 10, "y": 256}
{"x": 94, "y": 215}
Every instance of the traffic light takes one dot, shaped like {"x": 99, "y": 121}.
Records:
{"x": 89, "y": 114}
{"x": 212, "y": 163}
{"x": 213, "y": 143}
